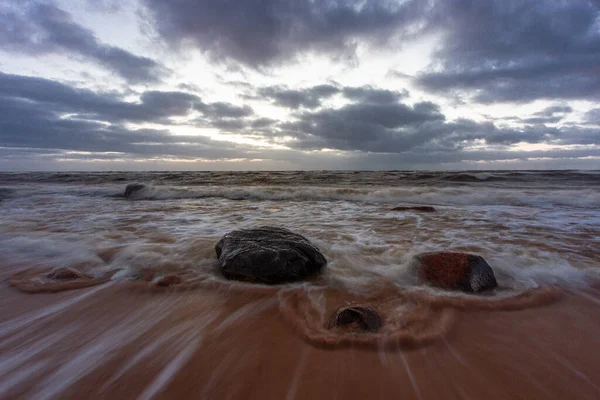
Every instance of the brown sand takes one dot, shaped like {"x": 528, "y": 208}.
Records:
{"x": 218, "y": 341}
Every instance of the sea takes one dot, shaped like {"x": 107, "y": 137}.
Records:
{"x": 104, "y": 295}
{"x": 533, "y": 227}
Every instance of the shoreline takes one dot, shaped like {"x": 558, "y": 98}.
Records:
{"x": 121, "y": 340}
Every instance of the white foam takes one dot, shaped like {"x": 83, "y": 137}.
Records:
{"x": 429, "y": 195}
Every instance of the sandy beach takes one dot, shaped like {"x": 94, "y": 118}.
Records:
{"x": 220, "y": 341}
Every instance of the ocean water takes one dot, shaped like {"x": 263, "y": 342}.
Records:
{"x": 205, "y": 337}
{"x": 534, "y": 228}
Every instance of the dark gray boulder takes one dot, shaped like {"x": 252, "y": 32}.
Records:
{"x": 133, "y": 188}
{"x": 268, "y": 254}
{"x": 457, "y": 271}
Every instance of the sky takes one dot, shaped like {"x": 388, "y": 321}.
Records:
{"x": 299, "y": 84}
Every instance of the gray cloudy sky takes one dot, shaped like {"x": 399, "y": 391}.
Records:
{"x": 286, "y": 84}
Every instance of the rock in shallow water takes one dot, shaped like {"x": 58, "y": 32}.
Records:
{"x": 466, "y": 272}
{"x": 66, "y": 274}
{"x": 414, "y": 208}
{"x": 133, "y": 188}
{"x": 268, "y": 254}
{"x": 361, "y": 318}
{"x": 168, "y": 280}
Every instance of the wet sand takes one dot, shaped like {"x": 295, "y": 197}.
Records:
{"x": 217, "y": 341}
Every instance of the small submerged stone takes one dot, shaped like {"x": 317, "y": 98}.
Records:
{"x": 65, "y": 274}
{"x": 167, "y": 280}
{"x": 414, "y": 208}
{"x": 356, "y": 318}
{"x": 268, "y": 254}
{"x": 457, "y": 271}
{"x": 147, "y": 274}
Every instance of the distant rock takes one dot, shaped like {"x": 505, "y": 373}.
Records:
{"x": 268, "y": 254}
{"x": 414, "y": 208}
{"x": 362, "y": 318}
{"x": 133, "y": 188}
{"x": 459, "y": 271}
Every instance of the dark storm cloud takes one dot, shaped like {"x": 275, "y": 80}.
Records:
{"x": 229, "y": 125}
{"x": 223, "y": 116}
{"x": 24, "y": 125}
{"x": 516, "y": 50}
{"x": 36, "y": 28}
{"x": 398, "y": 128}
{"x": 368, "y": 94}
{"x": 378, "y": 120}
{"x": 32, "y": 115}
{"x": 312, "y": 97}
{"x": 153, "y": 106}
{"x": 296, "y": 98}
{"x": 364, "y": 126}
{"x": 593, "y": 116}
{"x": 260, "y": 32}
{"x": 225, "y": 110}
{"x": 262, "y": 123}
{"x": 554, "y": 110}
{"x": 549, "y": 115}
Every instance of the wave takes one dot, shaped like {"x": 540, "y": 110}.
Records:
{"x": 195, "y": 259}
{"x": 443, "y": 196}
{"x": 342, "y": 178}
{"x": 7, "y": 193}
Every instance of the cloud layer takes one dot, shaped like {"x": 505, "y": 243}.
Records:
{"x": 41, "y": 28}
{"x": 516, "y": 50}
{"x": 504, "y": 80}
{"x": 257, "y": 33}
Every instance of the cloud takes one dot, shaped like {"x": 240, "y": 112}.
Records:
{"x": 259, "y": 33}
{"x": 312, "y": 97}
{"x": 24, "y": 125}
{"x": 38, "y": 28}
{"x": 225, "y": 110}
{"x": 554, "y": 110}
{"x": 49, "y": 118}
{"x": 593, "y": 116}
{"x": 296, "y": 98}
{"x": 43, "y": 114}
{"x": 366, "y": 126}
{"x": 369, "y": 94}
{"x": 262, "y": 123}
{"x": 153, "y": 106}
{"x": 549, "y": 115}
{"x": 380, "y": 121}
{"x": 399, "y": 128}
{"x": 516, "y": 50}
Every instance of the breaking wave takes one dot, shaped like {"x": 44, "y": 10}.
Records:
{"x": 413, "y": 195}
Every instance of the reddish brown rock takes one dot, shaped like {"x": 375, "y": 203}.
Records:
{"x": 356, "y": 318}
{"x": 456, "y": 271}
{"x": 414, "y": 208}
